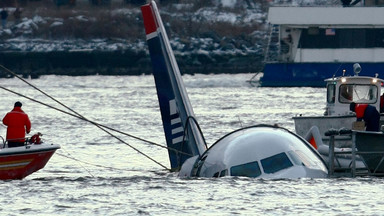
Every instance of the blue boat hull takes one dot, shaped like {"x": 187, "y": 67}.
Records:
{"x": 312, "y": 74}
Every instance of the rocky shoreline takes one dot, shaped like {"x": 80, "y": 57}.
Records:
{"x": 111, "y": 41}
{"x": 206, "y": 38}
{"x": 88, "y": 62}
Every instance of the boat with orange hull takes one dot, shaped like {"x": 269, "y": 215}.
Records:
{"x": 19, "y": 162}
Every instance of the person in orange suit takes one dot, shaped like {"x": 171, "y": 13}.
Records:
{"x": 368, "y": 113}
{"x": 18, "y": 124}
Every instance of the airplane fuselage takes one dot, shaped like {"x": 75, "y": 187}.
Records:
{"x": 258, "y": 151}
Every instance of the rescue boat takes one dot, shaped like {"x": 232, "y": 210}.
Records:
{"x": 341, "y": 92}
{"x": 19, "y": 162}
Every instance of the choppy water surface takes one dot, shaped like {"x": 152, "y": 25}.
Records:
{"x": 95, "y": 174}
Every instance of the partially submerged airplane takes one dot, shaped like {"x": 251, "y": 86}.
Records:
{"x": 258, "y": 151}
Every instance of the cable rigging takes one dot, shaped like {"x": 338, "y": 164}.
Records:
{"x": 79, "y": 116}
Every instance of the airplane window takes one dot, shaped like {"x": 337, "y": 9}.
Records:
{"x": 249, "y": 170}
{"x": 220, "y": 174}
{"x": 295, "y": 158}
{"x": 306, "y": 161}
{"x": 200, "y": 165}
{"x": 223, "y": 173}
{"x": 276, "y": 163}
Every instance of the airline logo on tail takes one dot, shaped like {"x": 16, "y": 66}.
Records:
{"x": 176, "y": 124}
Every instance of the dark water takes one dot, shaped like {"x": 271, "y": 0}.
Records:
{"x": 96, "y": 174}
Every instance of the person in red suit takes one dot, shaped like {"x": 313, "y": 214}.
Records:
{"x": 18, "y": 124}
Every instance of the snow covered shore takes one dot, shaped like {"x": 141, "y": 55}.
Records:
{"x": 78, "y": 41}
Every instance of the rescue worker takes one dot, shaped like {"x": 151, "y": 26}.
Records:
{"x": 18, "y": 124}
{"x": 368, "y": 113}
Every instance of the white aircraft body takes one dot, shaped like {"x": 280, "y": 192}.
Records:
{"x": 260, "y": 151}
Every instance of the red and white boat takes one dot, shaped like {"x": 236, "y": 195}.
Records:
{"x": 19, "y": 162}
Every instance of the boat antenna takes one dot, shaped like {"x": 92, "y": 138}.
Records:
{"x": 344, "y": 72}
{"x": 334, "y": 74}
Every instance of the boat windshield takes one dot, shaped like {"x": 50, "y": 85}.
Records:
{"x": 331, "y": 93}
{"x": 349, "y": 93}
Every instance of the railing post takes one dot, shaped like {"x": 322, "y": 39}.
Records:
{"x": 331, "y": 155}
{"x": 353, "y": 171}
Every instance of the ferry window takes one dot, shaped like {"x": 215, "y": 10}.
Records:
{"x": 352, "y": 38}
{"x": 375, "y": 38}
{"x": 249, "y": 170}
{"x": 358, "y": 94}
{"x": 342, "y": 38}
{"x": 276, "y": 163}
{"x": 331, "y": 93}
{"x": 326, "y": 38}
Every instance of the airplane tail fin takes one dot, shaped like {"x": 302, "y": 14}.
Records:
{"x": 182, "y": 133}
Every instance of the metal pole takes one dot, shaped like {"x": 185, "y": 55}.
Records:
{"x": 353, "y": 171}
{"x": 331, "y": 155}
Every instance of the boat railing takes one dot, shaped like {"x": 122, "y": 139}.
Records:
{"x": 4, "y": 143}
{"x": 367, "y": 147}
{"x": 29, "y": 140}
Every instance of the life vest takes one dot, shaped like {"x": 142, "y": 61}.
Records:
{"x": 360, "y": 109}
{"x": 35, "y": 138}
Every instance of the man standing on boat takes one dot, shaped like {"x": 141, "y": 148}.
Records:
{"x": 367, "y": 113}
{"x": 18, "y": 124}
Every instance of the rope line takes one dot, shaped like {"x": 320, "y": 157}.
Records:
{"x": 94, "y": 123}
{"x": 77, "y": 161}
{"x": 77, "y": 114}
{"x": 90, "y": 121}
{"x": 96, "y": 165}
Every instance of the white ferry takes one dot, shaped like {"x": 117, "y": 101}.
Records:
{"x": 309, "y": 44}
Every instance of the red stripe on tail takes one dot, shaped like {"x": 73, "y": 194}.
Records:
{"x": 149, "y": 19}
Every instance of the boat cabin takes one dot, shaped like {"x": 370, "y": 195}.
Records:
{"x": 304, "y": 34}
{"x": 341, "y": 91}
{"x": 310, "y": 44}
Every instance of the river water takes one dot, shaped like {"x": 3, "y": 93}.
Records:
{"x": 96, "y": 174}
